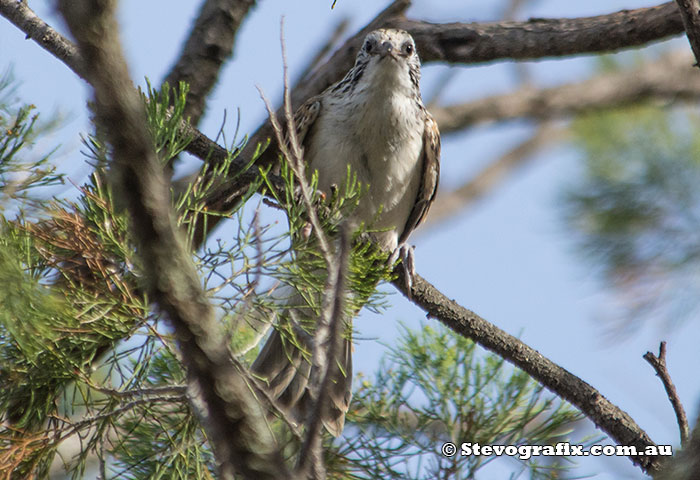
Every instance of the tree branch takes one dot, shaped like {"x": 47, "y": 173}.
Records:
{"x": 607, "y": 416}
{"x": 234, "y": 421}
{"x": 690, "y": 14}
{"x": 326, "y": 346}
{"x": 658, "y": 363}
{"x": 209, "y": 45}
{"x": 542, "y": 37}
{"x": 24, "y": 18}
{"x": 669, "y": 78}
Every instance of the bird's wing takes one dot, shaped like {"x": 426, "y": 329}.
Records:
{"x": 430, "y": 176}
{"x": 304, "y": 118}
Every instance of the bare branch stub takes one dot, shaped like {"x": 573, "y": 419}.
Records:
{"x": 658, "y": 363}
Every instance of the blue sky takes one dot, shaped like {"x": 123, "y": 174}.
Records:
{"x": 508, "y": 258}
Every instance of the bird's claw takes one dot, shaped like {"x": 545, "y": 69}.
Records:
{"x": 406, "y": 253}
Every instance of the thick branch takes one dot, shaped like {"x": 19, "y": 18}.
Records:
{"x": 543, "y": 37}
{"x": 209, "y": 45}
{"x": 658, "y": 363}
{"x": 607, "y": 416}
{"x": 233, "y": 419}
{"x": 670, "y": 78}
{"x": 690, "y": 14}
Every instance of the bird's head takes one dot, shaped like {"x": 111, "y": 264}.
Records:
{"x": 391, "y": 53}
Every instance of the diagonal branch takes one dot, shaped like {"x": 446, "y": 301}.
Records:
{"x": 690, "y": 13}
{"x": 607, "y": 416}
{"x": 233, "y": 418}
{"x": 24, "y": 18}
{"x": 209, "y": 45}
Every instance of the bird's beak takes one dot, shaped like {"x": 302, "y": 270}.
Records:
{"x": 388, "y": 49}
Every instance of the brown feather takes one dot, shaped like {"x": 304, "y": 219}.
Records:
{"x": 430, "y": 177}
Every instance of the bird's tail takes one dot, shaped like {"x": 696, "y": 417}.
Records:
{"x": 284, "y": 365}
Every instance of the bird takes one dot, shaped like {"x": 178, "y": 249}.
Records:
{"x": 374, "y": 121}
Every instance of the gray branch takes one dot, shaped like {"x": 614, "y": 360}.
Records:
{"x": 233, "y": 418}
{"x": 208, "y": 47}
{"x": 24, "y": 18}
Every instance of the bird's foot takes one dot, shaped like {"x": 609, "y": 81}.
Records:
{"x": 406, "y": 253}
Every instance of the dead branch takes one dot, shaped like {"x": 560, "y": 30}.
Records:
{"x": 24, "y": 18}
{"x": 326, "y": 346}
{"x": 542, "y": 37}
{"x": 658, "y": 363}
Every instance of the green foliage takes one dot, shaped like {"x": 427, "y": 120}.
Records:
{"x": 436, "y": 387}
{"x": 70, "y": 294}
{"x": 20, "y": 178}
{"x": 635, "y": 206}
{"x": 165, "y": 109}
{"x": 162, "y": 438}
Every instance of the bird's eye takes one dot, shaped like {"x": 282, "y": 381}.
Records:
{"x": 368, "y": 46}
{"x": 408, "y": 48}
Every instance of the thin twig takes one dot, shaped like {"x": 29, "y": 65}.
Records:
{"x": 326, "y": 347}
{"x": 261, "y": 390}
{"x": 293, "y": 153}
{"x": 658, "y": 363}
{"x": 74, "y": 427}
